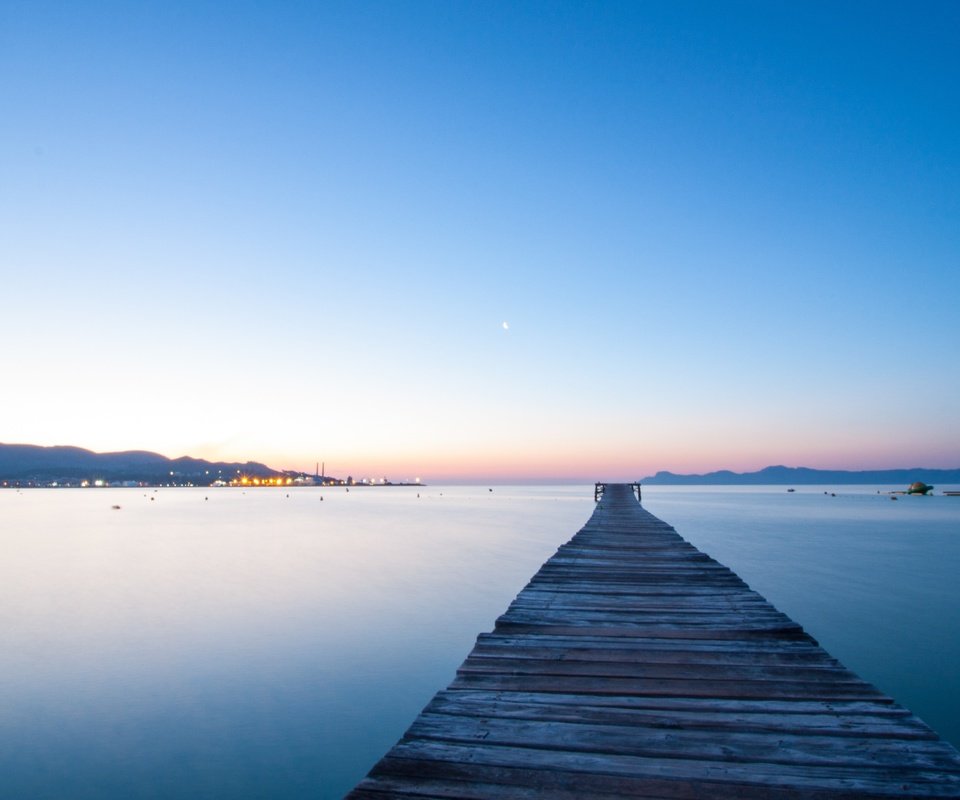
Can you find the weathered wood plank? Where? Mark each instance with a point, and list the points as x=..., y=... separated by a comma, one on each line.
x=710, y=717
x=479, y=664
x=716, y=745
x=880, y=706
x=517, y=624
x=635, y=644
x=793, y=690
x=851, y=781
x=397, y=776
x=682, y=652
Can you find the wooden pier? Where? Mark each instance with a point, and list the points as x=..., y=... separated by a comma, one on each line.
x=633, y=665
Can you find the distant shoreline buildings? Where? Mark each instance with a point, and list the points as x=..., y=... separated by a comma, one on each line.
x=285, y=479
x=34, y=467
x=243, y=481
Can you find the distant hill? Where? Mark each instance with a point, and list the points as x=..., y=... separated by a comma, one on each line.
x=27, y=462
x=801, y=476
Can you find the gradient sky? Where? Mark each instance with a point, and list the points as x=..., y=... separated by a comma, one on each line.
x=723, y=235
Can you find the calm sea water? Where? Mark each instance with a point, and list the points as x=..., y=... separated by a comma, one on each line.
x=273, y=644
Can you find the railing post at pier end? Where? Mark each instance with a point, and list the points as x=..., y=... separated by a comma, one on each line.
x=600, y=488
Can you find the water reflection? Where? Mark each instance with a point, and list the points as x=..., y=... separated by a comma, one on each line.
x=249, y=645
x=272, y=644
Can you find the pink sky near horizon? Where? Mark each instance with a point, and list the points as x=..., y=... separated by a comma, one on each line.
x=452, y=440
x=552, y=462
x=524, y=448
x=568, y=466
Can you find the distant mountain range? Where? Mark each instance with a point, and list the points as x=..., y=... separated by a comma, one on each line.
x=27, y=462
x=800, y=476
x=32, y=463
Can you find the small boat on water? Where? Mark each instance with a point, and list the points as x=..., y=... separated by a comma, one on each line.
x=791, y=490
x=919, y=487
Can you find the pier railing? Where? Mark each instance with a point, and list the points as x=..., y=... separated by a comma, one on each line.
x=600, y=488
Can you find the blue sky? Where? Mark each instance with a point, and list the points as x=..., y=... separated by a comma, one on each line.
x=722, y=234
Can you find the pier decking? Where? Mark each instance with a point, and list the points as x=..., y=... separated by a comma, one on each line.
x=633, y=665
